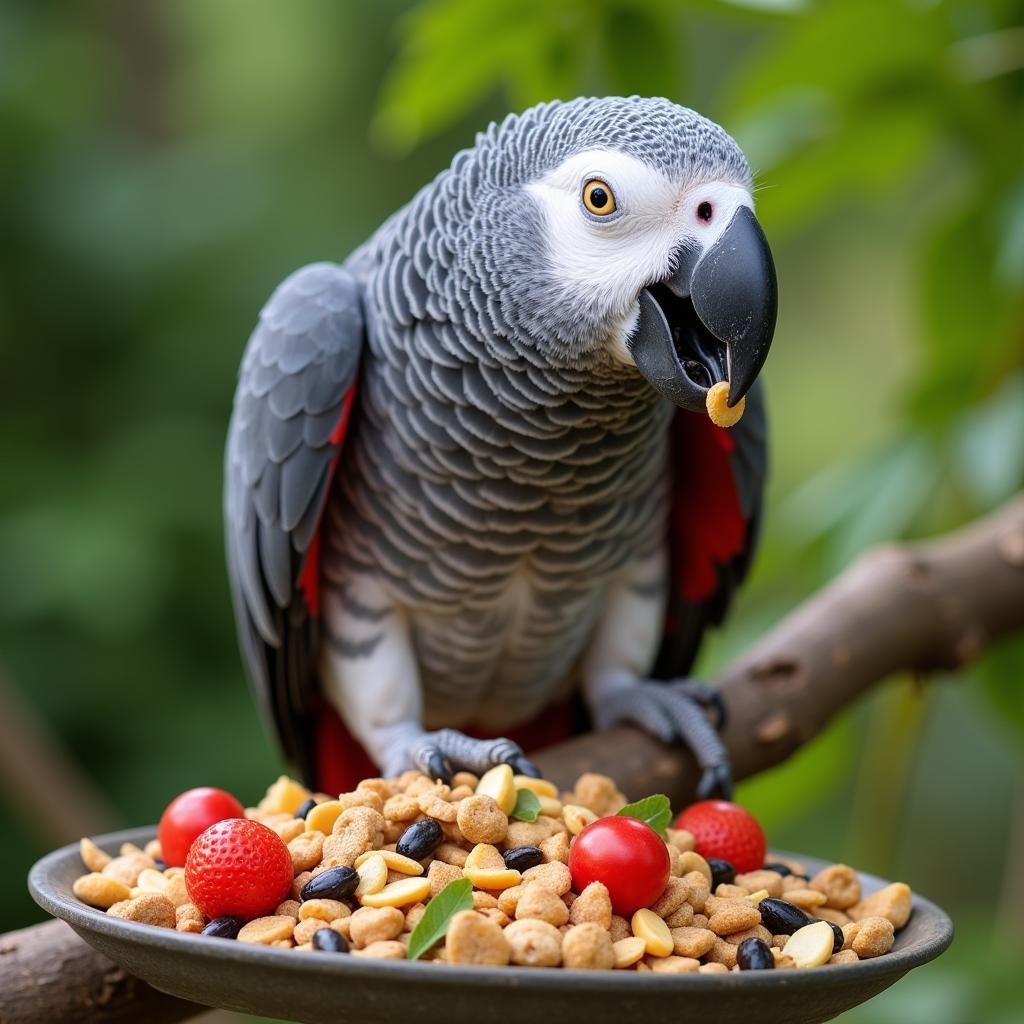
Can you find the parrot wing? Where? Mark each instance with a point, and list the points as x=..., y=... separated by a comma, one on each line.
x=714, y=522
x=292, y=405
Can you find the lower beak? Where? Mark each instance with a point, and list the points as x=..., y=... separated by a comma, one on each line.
x=712, y=320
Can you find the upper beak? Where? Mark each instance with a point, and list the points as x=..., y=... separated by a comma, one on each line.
x=713, y=319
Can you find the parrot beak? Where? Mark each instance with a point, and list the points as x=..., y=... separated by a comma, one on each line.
x=712, y=320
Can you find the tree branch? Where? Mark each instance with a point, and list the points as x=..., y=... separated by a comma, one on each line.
x=916, y=607
x=900, y=608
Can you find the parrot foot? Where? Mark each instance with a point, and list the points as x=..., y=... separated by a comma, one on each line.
x=440, y=754
x=677, y=711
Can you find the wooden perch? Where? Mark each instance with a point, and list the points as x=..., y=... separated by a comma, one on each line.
x=900, y=608
x=915, y=607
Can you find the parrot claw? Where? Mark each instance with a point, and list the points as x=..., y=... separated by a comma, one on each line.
x=439, y=754
x=708, y=697
x=523, y=766
x=715, y=783
x=676, y=711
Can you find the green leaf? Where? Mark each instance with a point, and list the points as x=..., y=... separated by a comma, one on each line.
x=452, y=899
x=527, y=805
x=655, y=811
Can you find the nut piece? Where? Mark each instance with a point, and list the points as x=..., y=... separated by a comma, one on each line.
x=371, y=925
x=676, y=893
x=716, y=402
x=840, y=884
x=394, y=860
x=810, y=946
x=874, y=937
x=92, y=856
x=541, y=904
x=475, y=939
x=306, y=850
x=323, y=910
x=673, y=965
x=390, y=950
x=892, y=902
x=440, y=874
x=628, y=951
x=733, y=916
x=534, y=943
x=538, y=787
x=806, y=899
x=493, y=878
x=483, y=855
x=481, y=820
x=598, y=792
x=398, y=894
x=100, y=891
x=588, y=947
x=681, y=918
x=265, y=930
x=128, y=867
x=554, y=876
x=652, y=929
x=577, y=817
x=692, y=861
x=844, y=956
x=189, y=918
x=753, y=881
x=556, y=848
x=373, y=875
x=593, y=904
x=150, y=908
x=499, y=784
x=692, y=942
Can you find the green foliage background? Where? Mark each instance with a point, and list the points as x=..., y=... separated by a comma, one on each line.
x=165, y=164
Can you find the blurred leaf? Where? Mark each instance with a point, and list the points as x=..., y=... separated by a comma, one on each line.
x=988, y=445
x=1000, y=673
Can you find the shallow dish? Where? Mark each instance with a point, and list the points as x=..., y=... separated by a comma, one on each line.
x=327, y=987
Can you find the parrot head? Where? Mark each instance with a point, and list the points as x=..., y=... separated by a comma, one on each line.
x=624, y=228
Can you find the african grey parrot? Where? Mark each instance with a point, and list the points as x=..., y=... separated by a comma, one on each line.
x=469, y=472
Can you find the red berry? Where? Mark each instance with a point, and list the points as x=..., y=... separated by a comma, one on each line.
x=725, y=830
x=239, y=868
x=188, y=815
x=627, y=855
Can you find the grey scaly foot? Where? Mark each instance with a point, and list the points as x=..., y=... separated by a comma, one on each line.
x=440, y=754
x=676, y=711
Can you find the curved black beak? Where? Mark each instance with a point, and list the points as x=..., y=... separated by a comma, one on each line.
x=713, y=319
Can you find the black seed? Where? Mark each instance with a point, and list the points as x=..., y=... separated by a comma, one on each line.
x=519, y=858
x=329, y=941
x=420, y=839
x=224, y=927
x=722, y=872
x=778, y=867
x=754, y=955
x=160, y=864
x=780, y=917
x=838, y=939
x=332, y=884
x=305, y=807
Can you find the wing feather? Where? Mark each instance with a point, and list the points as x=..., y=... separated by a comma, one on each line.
x=287, y=429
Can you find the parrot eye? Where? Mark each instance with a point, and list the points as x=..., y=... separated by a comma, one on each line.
x=704, y=212
x=598, y=197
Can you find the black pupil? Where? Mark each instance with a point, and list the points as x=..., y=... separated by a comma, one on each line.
x=704, y=211
x=598, y=197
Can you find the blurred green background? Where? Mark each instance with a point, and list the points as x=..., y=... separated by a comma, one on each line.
x=166, y=164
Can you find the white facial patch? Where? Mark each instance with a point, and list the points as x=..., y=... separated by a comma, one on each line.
x=612, y=257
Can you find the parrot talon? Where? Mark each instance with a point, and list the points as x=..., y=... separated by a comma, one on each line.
x=715, y=783
x=708, y=697
x=523, y=766
x=440, y=754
